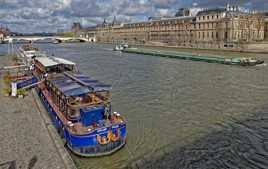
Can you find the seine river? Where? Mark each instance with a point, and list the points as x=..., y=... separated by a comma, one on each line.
x=181, y=114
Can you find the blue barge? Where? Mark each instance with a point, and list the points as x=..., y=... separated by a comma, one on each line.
x=80, y=108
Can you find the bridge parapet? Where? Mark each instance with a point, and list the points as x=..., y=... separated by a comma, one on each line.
x=52, y=38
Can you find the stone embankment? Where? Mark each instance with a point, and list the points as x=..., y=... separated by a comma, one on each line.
x=28, y=138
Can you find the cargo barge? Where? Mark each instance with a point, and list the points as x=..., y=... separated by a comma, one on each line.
x=80, y=108
x=189, y=56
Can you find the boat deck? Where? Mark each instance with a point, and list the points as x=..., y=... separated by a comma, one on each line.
x=78, y=128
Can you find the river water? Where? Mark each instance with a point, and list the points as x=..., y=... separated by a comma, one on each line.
x=181, y=114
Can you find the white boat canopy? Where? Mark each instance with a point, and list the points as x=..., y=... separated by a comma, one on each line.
x=53, y=61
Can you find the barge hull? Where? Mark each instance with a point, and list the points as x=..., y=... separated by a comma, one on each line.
x=182, y=55
x=84, y=145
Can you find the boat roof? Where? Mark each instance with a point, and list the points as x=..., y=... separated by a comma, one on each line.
x=64, y=61
x=53, y=61
x=71, y=84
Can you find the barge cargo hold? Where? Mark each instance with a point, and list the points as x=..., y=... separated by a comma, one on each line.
x=189, y=56
x=80, y=108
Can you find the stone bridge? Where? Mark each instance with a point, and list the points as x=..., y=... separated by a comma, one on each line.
x=51, y=38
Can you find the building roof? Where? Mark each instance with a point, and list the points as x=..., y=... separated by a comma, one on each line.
x=53, y=61
x=91, y=28
x=46, y=61
x=177, y=18
x=63, y=61
x=265, y=13
x=4, y=31
x=162, y=19
x=235, y=13
x=211, y=11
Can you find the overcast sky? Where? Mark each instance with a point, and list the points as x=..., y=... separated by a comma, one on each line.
x=29, y=16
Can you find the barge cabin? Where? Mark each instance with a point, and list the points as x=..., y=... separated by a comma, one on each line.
x=28, y=53
x=80, y=108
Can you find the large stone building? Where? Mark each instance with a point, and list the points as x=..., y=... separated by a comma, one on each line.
x=227, y=27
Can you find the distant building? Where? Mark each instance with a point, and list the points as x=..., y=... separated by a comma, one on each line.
x=188, y=11
x=227, y=27
x=76, y=27
x=88, y=33
x=266, y=26
x=60, y=30
x=4, y=32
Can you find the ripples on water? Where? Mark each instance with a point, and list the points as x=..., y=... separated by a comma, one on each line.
x=236, y=145
x=181, y=114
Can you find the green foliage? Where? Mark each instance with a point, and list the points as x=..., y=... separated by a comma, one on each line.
x=22, y=92
x=66, y=34
x=7, y=90
x=6, y=79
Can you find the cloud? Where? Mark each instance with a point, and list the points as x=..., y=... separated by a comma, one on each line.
x=50, y=15
x=164, y=3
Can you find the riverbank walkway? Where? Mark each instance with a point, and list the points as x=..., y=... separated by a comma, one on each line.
x=28, y=139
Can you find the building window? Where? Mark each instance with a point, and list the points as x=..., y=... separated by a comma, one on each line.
x=212, y=16
x=203, y=17
x=207, y=17
x=212, y=35
x=203, y=34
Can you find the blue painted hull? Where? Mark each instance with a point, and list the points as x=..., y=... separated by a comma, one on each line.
x=86, y=145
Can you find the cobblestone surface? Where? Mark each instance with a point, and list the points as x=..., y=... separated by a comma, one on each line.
x=25, y=139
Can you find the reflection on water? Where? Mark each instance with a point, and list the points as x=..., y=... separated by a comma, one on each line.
x=181, y=114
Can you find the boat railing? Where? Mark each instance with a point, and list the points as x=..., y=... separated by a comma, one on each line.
x=88, y=100
x=79, y=129
x=75, y=105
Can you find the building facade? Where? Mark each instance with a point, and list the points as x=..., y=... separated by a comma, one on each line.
x=208, y=28
x=87, y=33
x=4, y=32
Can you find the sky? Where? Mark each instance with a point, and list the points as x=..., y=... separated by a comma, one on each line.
x=30, y=16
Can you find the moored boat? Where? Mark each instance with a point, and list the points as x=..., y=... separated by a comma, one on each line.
x=56, y=42
x=250, y=62
x=28, y=53
x=121, y=46
x=195, y=57
x=118, y=48
x=80, y=108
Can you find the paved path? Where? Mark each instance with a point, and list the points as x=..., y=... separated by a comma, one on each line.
x=28, y=139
